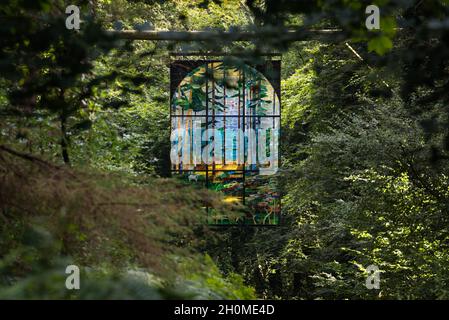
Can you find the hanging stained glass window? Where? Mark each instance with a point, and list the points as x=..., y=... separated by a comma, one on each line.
x=225, y=122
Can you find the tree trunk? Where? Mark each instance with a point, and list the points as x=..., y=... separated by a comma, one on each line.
x=64, y=137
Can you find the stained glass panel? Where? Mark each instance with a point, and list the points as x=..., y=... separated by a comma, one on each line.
x=225, y=123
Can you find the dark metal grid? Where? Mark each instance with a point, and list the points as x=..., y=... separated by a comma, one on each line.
x=274, y=81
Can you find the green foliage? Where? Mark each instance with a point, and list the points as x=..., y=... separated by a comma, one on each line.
x=365, y=148
x=126, y=237
x=44, y=277
x=207, y=282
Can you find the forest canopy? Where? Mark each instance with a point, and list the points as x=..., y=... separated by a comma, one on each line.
x=85, y=174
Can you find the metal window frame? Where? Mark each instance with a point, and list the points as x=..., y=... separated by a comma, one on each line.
x=189, y=65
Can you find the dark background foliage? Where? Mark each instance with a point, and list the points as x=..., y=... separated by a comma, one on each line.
x=84, y=141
